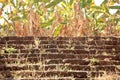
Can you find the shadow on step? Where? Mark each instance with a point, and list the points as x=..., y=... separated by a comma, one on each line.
x=5, y=73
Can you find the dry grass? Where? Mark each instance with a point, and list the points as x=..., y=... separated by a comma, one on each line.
x=108, y=76
x=76, y=26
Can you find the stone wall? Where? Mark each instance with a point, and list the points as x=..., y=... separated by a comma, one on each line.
x=62, y=58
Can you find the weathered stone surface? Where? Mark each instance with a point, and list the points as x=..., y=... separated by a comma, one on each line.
x=62, y=58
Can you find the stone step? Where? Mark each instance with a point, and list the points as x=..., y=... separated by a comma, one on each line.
x=52, y=75
x=48, y=78
x=59, y=61
x=61, y=56
x=17, y=67
x=75, y=51
x=60, y=38
x=60, y=46
x=59, y=41
x=40, y=74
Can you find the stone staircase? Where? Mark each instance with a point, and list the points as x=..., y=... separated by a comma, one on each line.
x=62, y=58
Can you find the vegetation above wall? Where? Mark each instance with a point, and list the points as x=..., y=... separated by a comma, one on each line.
x=59, y=17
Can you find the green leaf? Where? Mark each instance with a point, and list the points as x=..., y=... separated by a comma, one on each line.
x=97, y=7
x=57, y=30
x=36, y=1
x=46, y=1
x=114, y=7
x=16, y=18
x=48, y=23
x=53, y=3
x=89, y=1
x=71, y=2
x=41, y=1
x=83, y=3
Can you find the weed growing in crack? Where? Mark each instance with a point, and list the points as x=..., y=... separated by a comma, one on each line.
x=36, y=42
x=93, y=61
x=7, y=49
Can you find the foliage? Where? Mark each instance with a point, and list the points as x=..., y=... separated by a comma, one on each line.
x=59, y=17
